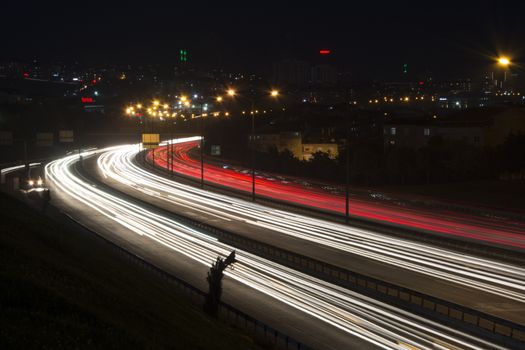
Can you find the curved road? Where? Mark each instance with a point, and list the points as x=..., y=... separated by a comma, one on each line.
x=377, y=324
x=503, y=233
x=482, y=274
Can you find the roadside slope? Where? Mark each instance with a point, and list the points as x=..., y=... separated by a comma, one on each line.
x=63, y=289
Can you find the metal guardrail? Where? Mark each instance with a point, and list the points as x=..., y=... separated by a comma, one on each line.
x=260, y=331
x=487, y=326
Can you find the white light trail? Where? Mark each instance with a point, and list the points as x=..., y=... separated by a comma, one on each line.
x=483, y=274
x=379, y=324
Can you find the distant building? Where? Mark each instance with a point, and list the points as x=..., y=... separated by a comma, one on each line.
x=324, y=75
x=309, y=149
x=292, y=72
x=10, y=96
x=417, y=135
x=293, y=142
x=480, y=128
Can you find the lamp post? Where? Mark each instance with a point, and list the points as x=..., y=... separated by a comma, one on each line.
x=252, y=100
x=347, y=175
x=202, y=146
x=350, y=124
x=504, y=62
x=203, y=108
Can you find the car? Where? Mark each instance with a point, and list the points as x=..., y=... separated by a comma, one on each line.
x=32, y=185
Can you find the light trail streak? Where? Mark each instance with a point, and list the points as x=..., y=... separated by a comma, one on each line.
x=483, y=274
x=510, y=233
x=381, y=325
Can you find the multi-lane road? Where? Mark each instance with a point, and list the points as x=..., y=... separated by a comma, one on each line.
x=484, y=284
x=493, y=231
x=358, y=321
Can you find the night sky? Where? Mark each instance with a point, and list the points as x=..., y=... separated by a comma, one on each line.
x=370, y=39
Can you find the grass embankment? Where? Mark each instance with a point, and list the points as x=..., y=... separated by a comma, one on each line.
x=63, y=289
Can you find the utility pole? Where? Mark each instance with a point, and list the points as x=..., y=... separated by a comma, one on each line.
x=252, y=149
x=347, y=172
x=202, y=145
x=170, y=154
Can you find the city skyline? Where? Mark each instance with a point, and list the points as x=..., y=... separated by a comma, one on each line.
x=370, y=42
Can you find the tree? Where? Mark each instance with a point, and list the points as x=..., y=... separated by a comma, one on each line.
x=510, y=154
x=322, y=166
x=365, y=166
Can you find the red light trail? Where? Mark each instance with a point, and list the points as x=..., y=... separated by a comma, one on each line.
x=440, y=221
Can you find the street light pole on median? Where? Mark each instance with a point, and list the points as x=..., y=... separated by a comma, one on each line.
x=273, y=93
x=252, y=146
x=202, y=146
x=347, y=171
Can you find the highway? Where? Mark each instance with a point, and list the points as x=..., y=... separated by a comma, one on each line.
x=364, y=320
x=491, y=231
x=481, y=274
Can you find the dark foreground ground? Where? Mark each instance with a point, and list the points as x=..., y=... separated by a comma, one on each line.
x=63, y=289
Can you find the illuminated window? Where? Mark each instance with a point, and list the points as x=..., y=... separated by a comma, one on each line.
x=426, y=131
x=392, y=131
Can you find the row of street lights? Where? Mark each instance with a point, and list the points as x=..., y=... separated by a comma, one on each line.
x=163, y=109
x=157, y=109
x=231, y=93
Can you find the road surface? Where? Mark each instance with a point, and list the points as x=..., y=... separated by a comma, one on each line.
x=483, y=284
x=492, y=231
x=358, y=321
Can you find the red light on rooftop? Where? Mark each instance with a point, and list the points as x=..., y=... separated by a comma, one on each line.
x=26, y=75
x=94, y=81
x=86, y=99
x=324, y=52
x=421, y=83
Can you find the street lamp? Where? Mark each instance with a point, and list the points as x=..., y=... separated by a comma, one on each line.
x=273, y=93
x=504, y=61
x=203, y=108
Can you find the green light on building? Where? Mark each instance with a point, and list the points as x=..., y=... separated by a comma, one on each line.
x=183, y=55
x=405, y=68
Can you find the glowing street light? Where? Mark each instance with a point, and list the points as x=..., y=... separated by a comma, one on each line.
x=504, y=61
x=273, y=93
x=219, y=98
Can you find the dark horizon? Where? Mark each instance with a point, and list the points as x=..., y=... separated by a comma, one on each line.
x=371, y=41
